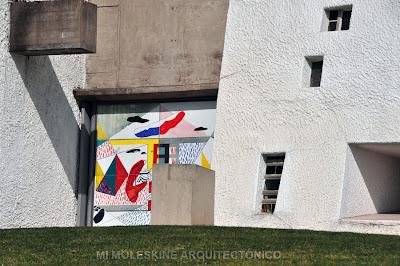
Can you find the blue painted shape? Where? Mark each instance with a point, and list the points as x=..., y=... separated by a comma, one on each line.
x=110, y=176
x=99, y=142
x=153, y=131
x=104, y=187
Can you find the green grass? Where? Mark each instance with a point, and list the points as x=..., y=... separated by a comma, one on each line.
x=79, y=246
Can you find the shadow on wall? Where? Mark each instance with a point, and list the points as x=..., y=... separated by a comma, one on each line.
x=54, y=110
x=381, y=175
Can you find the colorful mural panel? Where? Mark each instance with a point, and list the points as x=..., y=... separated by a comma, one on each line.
x=133, y=137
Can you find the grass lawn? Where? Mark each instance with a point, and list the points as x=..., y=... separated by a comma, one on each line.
x=193, y=245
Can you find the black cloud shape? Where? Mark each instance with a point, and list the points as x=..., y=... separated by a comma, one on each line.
x=137, y=119
x=133, y=151
x=200, y=128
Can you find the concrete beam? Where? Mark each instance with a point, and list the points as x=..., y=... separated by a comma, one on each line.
x=195, y=91
x=53, y=27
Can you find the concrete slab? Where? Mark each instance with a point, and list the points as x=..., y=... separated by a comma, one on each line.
x=182, y=195
x=378, y=216
x=53, y=27
x=195, y=92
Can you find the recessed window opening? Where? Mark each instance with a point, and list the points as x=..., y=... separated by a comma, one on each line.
x=313, y=71
x=316, y=73
x=337, y=19
x=272, y=179
x=371, y=189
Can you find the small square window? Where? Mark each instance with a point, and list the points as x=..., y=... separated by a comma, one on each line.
x=163, y=154
x=313, y=71
x=333, y=14
x=332, y=25
x=337, y=19
x=161, y=150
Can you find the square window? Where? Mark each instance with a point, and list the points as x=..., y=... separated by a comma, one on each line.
x=332, y=25
x=161, y=150
x=161, y=160
x=163, y=154
x=313, y=71
x=333, y=14
x=337, y=19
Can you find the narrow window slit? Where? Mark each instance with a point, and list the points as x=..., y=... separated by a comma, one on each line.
x=272, y=179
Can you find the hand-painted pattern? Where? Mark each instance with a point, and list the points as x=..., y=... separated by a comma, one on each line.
x=133, y=137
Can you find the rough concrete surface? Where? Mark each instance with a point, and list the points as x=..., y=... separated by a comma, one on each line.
x=263, y=107
x=52, y=27
x=205, y=90
x=182, y=195
x=39, y=136
x=157, y=43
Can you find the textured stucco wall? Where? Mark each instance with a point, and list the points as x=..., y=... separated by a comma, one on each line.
x=39, y=136
x=263, y=107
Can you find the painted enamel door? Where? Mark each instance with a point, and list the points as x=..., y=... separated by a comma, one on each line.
x=133, y=137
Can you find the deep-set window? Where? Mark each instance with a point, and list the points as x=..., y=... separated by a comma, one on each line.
x=272, y=179
x=316, y=73
x=130, y=139
x=313, y=71
x=338, y=18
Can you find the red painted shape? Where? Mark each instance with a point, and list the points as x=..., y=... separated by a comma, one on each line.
x=155, y=153
x=132, y=191
x=120, y=174
x=149, y=205
x=167, y=125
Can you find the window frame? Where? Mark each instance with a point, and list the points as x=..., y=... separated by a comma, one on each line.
x=308, y=70
x=338, y=20
x=268, y=203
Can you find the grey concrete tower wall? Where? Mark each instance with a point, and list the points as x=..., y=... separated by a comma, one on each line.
x=39, y=132
x=171, y=48
x=157, y=43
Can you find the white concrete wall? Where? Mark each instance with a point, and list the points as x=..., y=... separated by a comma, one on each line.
x=263, y=106
x=38, y=136
x=371, y=184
